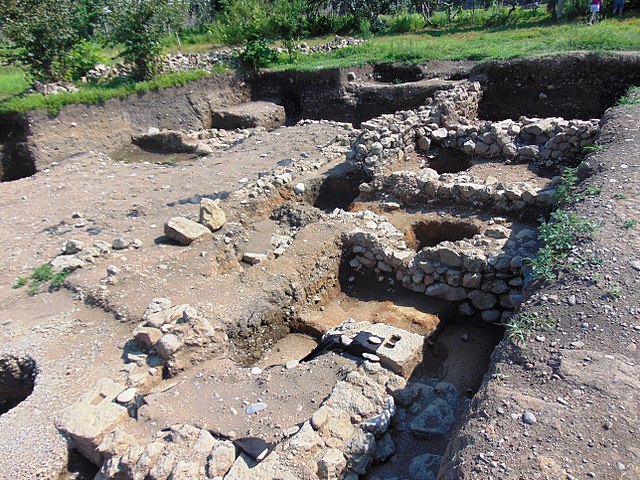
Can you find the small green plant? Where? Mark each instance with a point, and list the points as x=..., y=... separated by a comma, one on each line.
x=58, y=279
x=83, y=57
x=559, y=236
x=365, y=28
x=596, y=147
x=521, y=326
x=567, y=185
x=39, y=277
x=629, y=224
x=614, y=292
x=593, y=191
x=632, y=97
x=619, y=196
x=20, y=282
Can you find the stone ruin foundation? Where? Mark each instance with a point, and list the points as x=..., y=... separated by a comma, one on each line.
x=422, y=224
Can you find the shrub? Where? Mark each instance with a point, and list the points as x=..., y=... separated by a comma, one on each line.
x=406, y=22
x=43, y=32
x=258, y=53
x=83, y=57
x=240, y=21
x=139, y=26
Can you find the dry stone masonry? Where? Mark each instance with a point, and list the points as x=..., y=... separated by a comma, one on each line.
x=449, y=119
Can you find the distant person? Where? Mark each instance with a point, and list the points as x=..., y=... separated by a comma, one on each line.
x=618, y=6
x=595, y=8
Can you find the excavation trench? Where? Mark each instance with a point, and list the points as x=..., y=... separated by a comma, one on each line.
x=17, y=380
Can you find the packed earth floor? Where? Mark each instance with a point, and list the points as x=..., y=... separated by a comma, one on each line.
x=320, y=301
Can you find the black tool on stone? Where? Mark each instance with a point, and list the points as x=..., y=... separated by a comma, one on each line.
x=255, y=448
x=330, y=344
x=364, y=342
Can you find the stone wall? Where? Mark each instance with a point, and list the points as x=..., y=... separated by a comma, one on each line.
x=450, y=120
x=485, y=274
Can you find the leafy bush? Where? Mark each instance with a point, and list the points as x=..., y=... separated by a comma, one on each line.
x=258, y=53
x=406, y=22
x=83, y=57
x=139, y=27
x=559, y=236
x=318, y=25
x=43, y=32
x=240, y=21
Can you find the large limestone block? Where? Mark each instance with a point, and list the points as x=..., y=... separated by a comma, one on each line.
x=400, y=351
x=95, y=414
x=183, y=230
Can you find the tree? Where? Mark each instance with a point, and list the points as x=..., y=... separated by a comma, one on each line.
x=43, y=32
x=139, y=26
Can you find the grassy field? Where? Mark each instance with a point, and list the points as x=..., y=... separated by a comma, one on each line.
x=471, y=43
x=536, y=35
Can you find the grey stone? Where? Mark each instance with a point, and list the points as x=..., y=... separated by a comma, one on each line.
x=482, y=300
x=66, y=263
x=331, y=464
x=424, y=144
x=254, y=408
x=71, y=247
x=491, y=316
x=435, y=421
x=400, y=351
x=121, y=243
x=441, y=290
x=425, y=467
x=529, y=418
x=168, y=345
x=183, y=230
x=96, y=413
x=126, y=396
x=385, y=448
x=254, y=258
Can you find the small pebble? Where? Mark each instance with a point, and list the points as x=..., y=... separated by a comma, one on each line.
x=291, y=364
x=529, y=418
x=253, y=408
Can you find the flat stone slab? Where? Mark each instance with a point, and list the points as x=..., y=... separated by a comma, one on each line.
x=400, y=351
x=249, y=115
x=94, y=415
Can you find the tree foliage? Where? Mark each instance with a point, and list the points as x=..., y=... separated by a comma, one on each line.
x=44, y=32
x=139, y=26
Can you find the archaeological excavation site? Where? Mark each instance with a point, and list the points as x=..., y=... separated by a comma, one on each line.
x=336, y=274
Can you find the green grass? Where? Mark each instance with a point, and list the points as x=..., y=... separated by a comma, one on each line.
x=527, y=33
x=631, y=98
x=41, y=276
x=522, y=326
x=12, y=82
x=96, y=93
x=536, y=37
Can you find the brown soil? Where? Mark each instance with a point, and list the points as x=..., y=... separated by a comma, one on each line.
x=580, y=380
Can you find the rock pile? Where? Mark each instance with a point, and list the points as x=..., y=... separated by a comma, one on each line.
x=337, y=44
x=182, y=62
x=167, y=329
x=200, y=142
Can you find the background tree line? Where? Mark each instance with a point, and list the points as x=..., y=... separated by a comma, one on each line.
x=62, y=39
